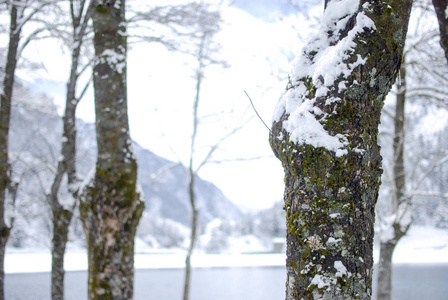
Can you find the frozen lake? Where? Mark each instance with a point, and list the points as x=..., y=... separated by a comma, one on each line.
x=410, y=281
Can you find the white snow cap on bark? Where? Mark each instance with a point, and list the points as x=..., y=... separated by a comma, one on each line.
x=323, y=61
x=116, y=60
x=320, y=281
x=341, y=269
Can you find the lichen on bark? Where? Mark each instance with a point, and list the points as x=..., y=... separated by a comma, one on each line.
x=110, y=206
x=330, y=197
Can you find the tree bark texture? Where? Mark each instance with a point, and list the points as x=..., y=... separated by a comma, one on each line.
x=330, y=199
x=440, y=6
x=110, y=206
x=5, y=114
x=67, y=165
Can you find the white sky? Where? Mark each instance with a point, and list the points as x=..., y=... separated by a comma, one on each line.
x=161, y=94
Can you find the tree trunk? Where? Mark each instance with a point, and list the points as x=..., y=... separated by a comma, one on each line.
x=61, y=215
x=384, y=287
x=61, y=222
x=398, y=144
x=194, y=225
x=110, y=206
x=402, y=205
x=5, y=114
x=192, y=172
x=332, y=175
x=67, y=165
x=384, y=282
x=440, y=7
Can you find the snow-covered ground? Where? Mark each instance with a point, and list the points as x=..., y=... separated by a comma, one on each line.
x=422, y=245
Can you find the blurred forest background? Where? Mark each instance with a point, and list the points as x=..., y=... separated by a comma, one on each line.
x=250, y=50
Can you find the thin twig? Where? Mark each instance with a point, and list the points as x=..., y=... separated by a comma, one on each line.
x=256, y=111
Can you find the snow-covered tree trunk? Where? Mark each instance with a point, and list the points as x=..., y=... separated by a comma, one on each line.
x=325, y=134
x=441, y=8
x=62, y=213
x=110, y=206
x=5, y=114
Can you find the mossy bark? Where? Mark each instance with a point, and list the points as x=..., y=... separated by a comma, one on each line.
x=330, y=200
x=110, y=206
x=5, y=115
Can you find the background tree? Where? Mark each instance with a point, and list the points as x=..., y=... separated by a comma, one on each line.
x=21, y=12
x=410, y=166
x=62, y=211
x=441, y=6
x=203, y=51
x=325, y=134
x=110, y=205
x=169, y=25
x=399, y=214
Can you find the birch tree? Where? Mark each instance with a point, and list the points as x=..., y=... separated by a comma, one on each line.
x=110, y=206
x=62, y=213
x=325, y=134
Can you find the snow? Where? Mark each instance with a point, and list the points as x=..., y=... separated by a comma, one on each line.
x=421, y=245
x=25, y=262
x=320, y=281
x=323, y=61
x=332, y=240
x=385, y=227
x=434, y=121
x=114, y=59
x=341, y=269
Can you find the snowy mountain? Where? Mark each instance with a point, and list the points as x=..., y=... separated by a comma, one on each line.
x=35, y=147
x=164, y=184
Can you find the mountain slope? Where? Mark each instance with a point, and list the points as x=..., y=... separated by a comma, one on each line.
x=35, y=146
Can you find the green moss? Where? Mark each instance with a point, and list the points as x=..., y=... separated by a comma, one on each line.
x=102, y=9
x=310, y=86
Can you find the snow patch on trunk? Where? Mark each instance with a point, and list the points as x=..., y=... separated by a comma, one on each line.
x=324, y=60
